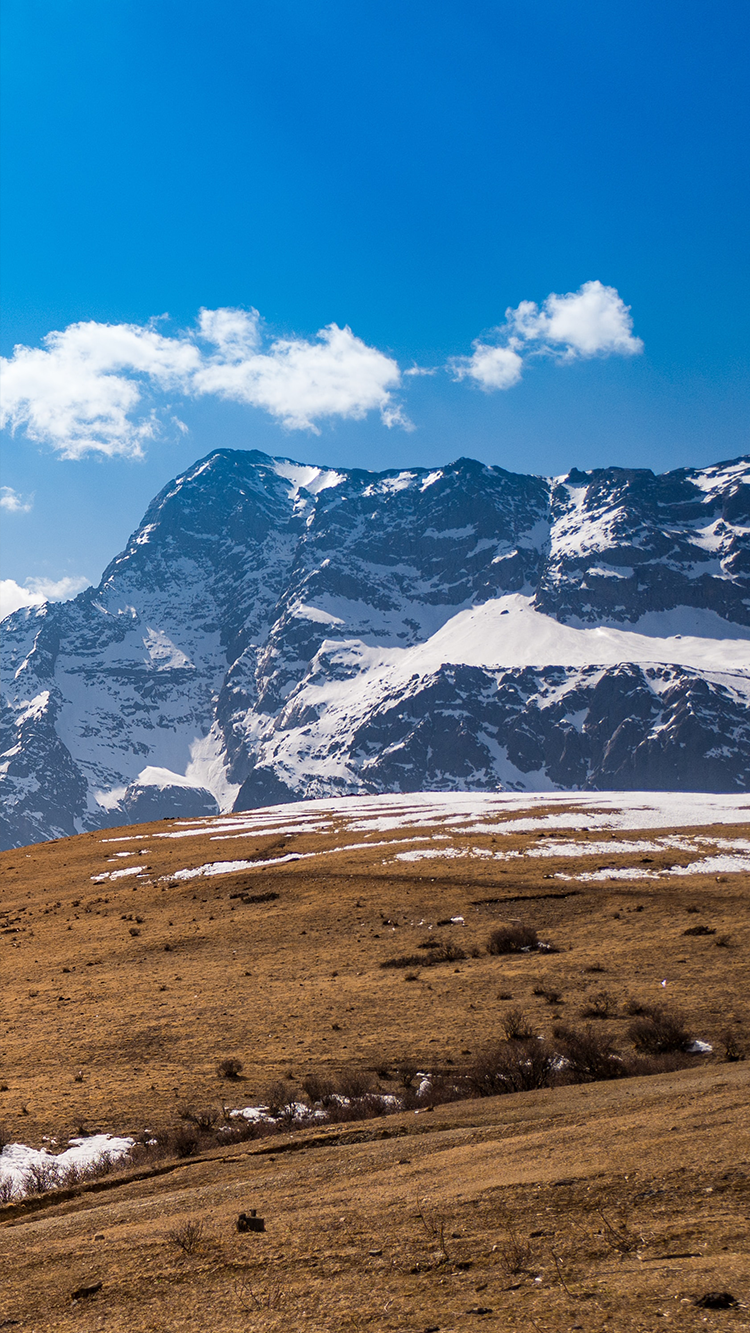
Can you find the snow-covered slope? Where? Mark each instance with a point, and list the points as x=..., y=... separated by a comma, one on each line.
x=274, y=631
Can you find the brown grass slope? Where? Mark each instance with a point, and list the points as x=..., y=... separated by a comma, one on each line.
x=554, y=1209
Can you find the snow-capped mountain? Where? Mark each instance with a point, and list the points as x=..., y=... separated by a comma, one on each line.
x=274, y=631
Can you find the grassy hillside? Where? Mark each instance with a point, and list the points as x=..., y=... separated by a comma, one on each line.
x=556, y=1208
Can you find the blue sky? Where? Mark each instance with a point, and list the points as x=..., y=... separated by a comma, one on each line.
x=409, y=171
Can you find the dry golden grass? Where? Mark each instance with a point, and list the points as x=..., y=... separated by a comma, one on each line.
x=587, y=1190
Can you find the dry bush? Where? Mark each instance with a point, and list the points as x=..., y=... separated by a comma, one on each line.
x=407, y=1072
x=189, y=1236
x=512, y=939
x=361, y=1108
x=279, y=1095
x=446, y=1088
x=354, y=1083
x=73, y=1175
x=180, y=1142
x=444, y=953
x=659, y=1032
x=205, y=1118
x=548, y=993
x=251, y=1301
x=589, y=1056
x=517, y=1026
x=97, y=1168
x=318, y=1087
x=242, y=1130
x=620, y=1239
x=230, y=1067
x=8, y=1190
x=40, y=1177
x=518, y=1066
x=733, y=1049
x=600, y=1005
x=514, y=1253
x=434, y=1225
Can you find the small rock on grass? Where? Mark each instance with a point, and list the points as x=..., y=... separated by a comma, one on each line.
x=716, y=1300
x=90, y=1289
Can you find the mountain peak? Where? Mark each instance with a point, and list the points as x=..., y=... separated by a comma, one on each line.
x=275, y=629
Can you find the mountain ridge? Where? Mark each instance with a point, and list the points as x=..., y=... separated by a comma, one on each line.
x=274, y=630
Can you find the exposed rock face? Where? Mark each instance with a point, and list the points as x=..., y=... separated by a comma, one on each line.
x=274, y=631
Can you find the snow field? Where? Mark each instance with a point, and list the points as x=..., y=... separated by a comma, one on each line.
x=472, y=813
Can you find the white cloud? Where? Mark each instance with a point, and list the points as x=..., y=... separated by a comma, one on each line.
x=14, y=503
x=91, y=386
x=96, y=387
x=297, y=381
x=491, y=367
x=82, y=390
x=34, y=592
x=594, y=321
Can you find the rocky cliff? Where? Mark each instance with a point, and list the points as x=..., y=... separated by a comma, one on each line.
x=275, y=630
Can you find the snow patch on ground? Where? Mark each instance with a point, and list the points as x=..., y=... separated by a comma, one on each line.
x=116, y=874
x=512, y=812
x=16, y=1160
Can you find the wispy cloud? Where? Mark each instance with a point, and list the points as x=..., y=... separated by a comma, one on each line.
x=34, y=592
x=13, y=503
x=594, y=321
x=92, y=386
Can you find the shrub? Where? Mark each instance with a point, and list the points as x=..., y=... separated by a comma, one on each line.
x=354, y=1083
x=359, y=1108
x=188, y=1237
x=640, y=1066
x=72, y=1175
x=205, y=1118
x=518, y=1066
x=317, y=1087
x=548, y=993
x=659, y=1032
x=446, y=1088
x=183, y=1141
x=407, y=1072
x=600, y=1005
x=278, y=1095
x=733, y=1050
x=230, y=1067
x=8, y=1189
x=512, y=939
x=589, y=1056
x=444, y=953
x=517, y=1027
x=514, y=1254
x=41, y=1176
